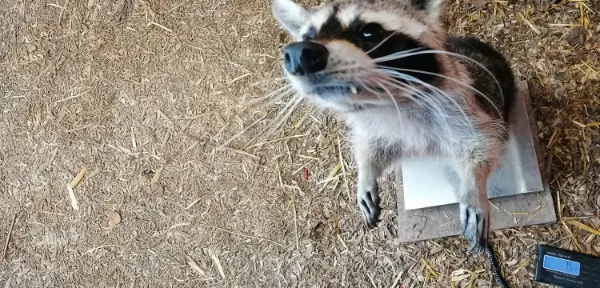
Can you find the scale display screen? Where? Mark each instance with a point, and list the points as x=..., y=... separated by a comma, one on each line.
x=561, y=265
x=567, y=269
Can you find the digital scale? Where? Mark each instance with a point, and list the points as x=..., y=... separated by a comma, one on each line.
x=566, y=268
x=426, y=187
x=519, y=173
x=427, y=206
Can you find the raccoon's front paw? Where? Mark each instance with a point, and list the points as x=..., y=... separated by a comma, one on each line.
x=368, y=202
x=475, y=225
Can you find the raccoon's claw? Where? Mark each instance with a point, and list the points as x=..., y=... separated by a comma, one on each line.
x=368, y=202
x=475, y=225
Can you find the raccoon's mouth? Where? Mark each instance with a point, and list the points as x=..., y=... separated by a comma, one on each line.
x=342, y=90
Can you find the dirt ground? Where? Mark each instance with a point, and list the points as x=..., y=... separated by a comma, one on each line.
x=182, y=189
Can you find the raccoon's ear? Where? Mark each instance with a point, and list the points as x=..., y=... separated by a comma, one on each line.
x=291, y=15
x=432, y=7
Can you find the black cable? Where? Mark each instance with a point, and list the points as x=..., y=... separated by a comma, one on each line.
x=494, y=267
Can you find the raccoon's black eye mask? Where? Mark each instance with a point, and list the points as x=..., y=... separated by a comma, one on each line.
x=372, y=38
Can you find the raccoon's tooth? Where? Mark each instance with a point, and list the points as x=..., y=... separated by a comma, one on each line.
x=353, y=89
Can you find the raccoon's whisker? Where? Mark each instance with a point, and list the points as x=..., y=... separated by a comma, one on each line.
x=362, y=66
x=331, y=85
x=369, y=89
x=376, y=93
x=285, y=108
x=422, y=98
x=340, y=69
x=381, y=43
x=278, y=94
x=432, y=88
x=277, y=117
x=278, y=79
x=391, y=98
x=441, y=95
x=400, y=55
x=281, y=117
x=445, y=95
x=407, y=94
x=279, y=97
x=359, y=67
x=430, y=102
x=448, y=78
x=281, y=90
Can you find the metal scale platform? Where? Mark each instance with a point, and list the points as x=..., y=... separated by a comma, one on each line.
x=518, y=191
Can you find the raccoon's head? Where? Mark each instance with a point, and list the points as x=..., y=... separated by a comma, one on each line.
x=351, y=53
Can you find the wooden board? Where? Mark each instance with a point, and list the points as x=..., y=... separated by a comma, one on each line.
x=443, y=221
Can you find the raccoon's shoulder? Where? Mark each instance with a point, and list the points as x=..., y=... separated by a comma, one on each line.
x=496, y=63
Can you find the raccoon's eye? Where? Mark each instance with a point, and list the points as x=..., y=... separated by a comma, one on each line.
x=371, y=32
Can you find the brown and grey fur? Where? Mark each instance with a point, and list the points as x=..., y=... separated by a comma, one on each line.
x=383, y=131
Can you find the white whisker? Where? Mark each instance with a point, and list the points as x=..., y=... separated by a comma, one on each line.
x=340, y=69
x=391, y=98
x=288, y=104
x=279, y=97
x=277, y=94
x=400, y=55
x=430, y=102
x=441, y=113
x=381, y=43
x=448, y=78
x=286, y=112
x=432, y=88
x=362, y=66
x=369, y=89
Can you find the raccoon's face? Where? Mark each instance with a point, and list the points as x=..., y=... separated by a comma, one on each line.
x=353, y=54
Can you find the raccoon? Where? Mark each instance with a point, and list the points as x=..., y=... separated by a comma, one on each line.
x=404, y=87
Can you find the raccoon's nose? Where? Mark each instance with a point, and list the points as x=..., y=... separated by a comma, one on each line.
x=305, y=57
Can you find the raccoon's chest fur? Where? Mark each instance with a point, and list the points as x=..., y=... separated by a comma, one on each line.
x=411, y=129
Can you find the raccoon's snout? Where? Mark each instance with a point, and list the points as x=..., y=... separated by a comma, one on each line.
x=305, y=57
